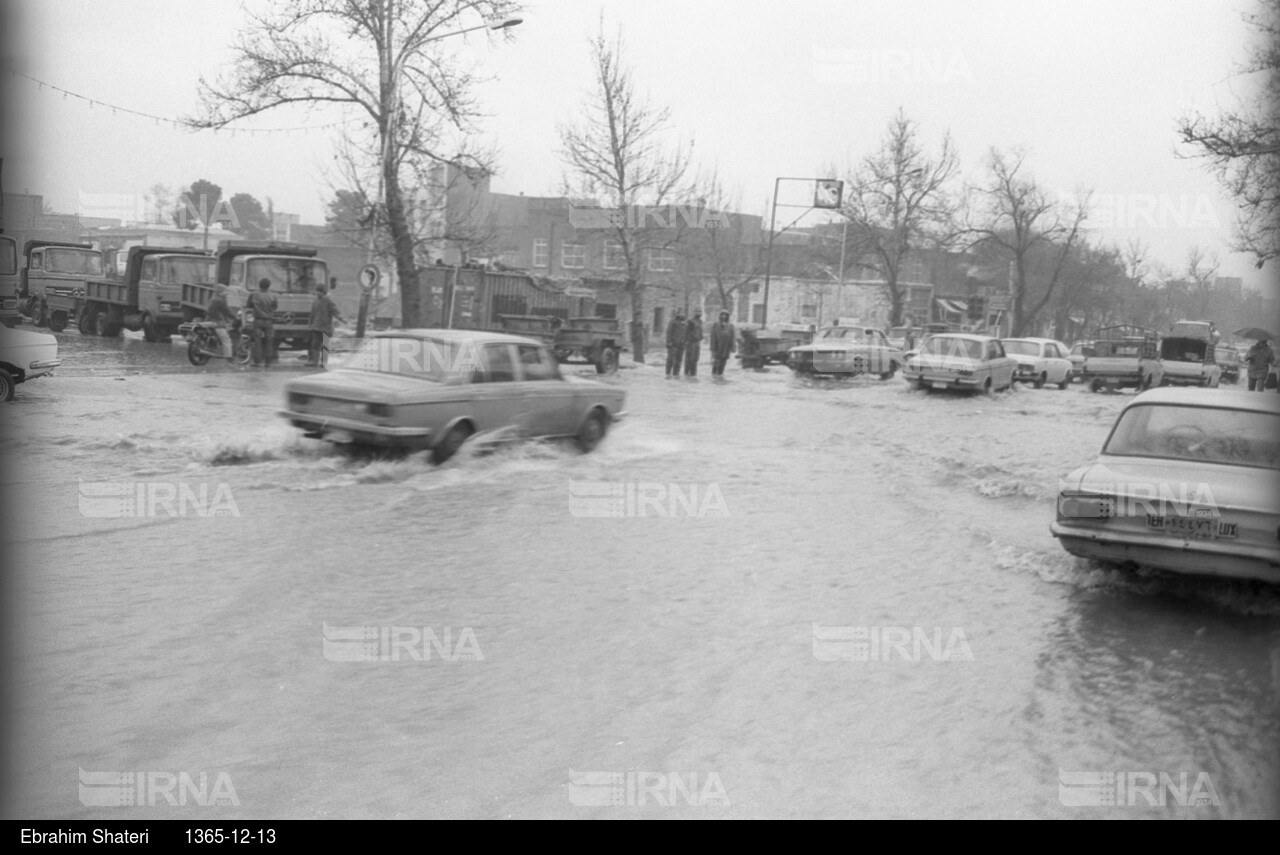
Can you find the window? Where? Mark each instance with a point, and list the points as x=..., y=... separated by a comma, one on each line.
x=537, y=364
x=497, y=364
x=541, y=253
x=37, y=261
x=606, y=310
x=614, y=258
x=808, y=311
x=757, y=314
x=148, y=270
x=662, y=260
x=573, y=256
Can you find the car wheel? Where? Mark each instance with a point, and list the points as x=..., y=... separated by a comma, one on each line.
x=58, y=321
x=1066, y=380
x=448, y=447
x=608, y=361
x=592, y=431
x=893, y=369
x=1095, y=385
x=1041, y=380
x=921, y=385
x=6, y=385
x=988, y=386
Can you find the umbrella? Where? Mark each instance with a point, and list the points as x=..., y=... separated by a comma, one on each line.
x=1254, y=333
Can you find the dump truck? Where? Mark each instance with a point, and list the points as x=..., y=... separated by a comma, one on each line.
x=149, y=297
x=52, y=284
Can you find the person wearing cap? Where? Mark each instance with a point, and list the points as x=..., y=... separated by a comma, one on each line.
x=723, y=342
x=1259, y=359
x=263, y=305
x=676, y=332
x=693, y=344
x=323, y=313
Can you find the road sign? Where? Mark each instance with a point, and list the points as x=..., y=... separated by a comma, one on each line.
x=369, y=277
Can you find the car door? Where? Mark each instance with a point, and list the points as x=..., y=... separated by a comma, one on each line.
x=501, y=410
x=549, y=398
x=1000, y=365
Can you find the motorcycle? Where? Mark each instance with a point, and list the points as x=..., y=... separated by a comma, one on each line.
x=203, y=344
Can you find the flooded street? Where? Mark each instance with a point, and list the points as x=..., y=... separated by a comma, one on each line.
x=763, y=597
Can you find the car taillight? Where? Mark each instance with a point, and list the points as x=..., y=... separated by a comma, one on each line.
x=1086, y=507
x=378, y=410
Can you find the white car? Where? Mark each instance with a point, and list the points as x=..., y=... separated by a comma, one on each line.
x=1040, y=361
x=24, y=356
x=1185, y=482
x=960, y=361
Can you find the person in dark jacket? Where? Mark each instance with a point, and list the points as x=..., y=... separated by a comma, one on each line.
x=323, y=313
x=1260, y=358
x=723, y=342
x=693, y=344
x=263, y=304
x=676, y=332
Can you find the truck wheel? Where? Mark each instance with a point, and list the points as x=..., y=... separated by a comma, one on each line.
x=607, y=363
x=58, y=321
x=84, y=322
x=1095, y=385
x=449, y=446
x=101, y=324
x=592, y=432
x=6, y=385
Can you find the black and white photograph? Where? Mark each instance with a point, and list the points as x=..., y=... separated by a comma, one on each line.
x=636, y=409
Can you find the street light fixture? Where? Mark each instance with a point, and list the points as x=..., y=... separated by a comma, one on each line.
x=827, y=193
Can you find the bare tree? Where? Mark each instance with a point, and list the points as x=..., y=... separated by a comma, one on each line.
x=615, y=154
x=1242, y=147
x=897, y=201
x=1019, y=219
x=1201, y=272
x=380, y=56
x=725, y=255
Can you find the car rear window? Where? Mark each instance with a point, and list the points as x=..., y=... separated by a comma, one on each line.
x=1213, y=434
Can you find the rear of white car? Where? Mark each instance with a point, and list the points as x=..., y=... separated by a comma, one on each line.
x=24, y=356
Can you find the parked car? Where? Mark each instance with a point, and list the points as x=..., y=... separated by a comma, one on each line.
x=436, y=389
x=848, y=351
x=24, y=356
x=1080, y=351
x=1185, y=482
x=960, y=361
x=1040, y=361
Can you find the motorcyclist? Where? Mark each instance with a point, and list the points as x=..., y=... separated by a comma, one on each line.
x=218, y=315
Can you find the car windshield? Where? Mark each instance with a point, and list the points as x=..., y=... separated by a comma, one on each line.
x=943, y=345
x=1214, y=434
x=176, y=269
x=843, y=332
x=8, y=257
x=424, y=358
x=289, y=275
x=1014, y=347
x=77, y=262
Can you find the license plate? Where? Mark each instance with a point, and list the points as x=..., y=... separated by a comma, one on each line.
x=1193, y=527
x=938, y=384
x=341, y=437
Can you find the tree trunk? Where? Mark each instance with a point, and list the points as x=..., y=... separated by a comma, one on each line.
x=402, y=240
x=1019, y=294
x=895, y=302
x=637, y=322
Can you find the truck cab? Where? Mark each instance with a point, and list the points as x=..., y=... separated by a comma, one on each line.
x=293, y=270
x=9, y=315
x=53, y=281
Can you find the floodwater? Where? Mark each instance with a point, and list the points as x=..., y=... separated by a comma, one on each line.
x=798, y=599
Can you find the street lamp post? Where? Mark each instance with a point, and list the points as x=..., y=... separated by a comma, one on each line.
x=822, y=198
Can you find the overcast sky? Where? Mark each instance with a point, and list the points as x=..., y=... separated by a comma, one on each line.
x=1092, y=91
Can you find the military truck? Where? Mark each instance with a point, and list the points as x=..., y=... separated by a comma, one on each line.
x=53, y=281
x=149, y=297
x=594, y=340
x=9, y=315
x=293, y=270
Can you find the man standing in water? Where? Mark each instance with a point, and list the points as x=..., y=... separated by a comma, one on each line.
x=263, y=305
x=722, y=344
x=676, y=332
x=323, y=313
x=693, y=345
